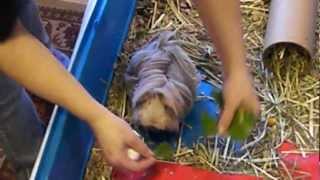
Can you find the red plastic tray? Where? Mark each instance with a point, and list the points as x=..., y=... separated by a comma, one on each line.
x=170, y=171
x=300, y=167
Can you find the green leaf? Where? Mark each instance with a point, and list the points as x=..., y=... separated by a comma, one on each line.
x=208, y=124
x=242, y=124
x=164, y=151
x=218, y=97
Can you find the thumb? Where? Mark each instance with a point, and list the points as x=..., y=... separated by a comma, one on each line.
x=138, y=145
x=226, y=117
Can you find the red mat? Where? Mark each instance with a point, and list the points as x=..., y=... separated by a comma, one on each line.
x=304, y=168
x=170, y=171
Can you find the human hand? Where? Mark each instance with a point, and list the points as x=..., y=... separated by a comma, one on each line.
x=116, y=137
x=237, y=91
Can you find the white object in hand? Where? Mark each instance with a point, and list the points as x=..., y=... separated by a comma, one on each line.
x=133, y=155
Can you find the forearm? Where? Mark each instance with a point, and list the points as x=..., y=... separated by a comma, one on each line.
x=26, y=60
x=222, y=19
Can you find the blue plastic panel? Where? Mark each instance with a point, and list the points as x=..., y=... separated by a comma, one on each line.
x=193, y=131
x=68, y=142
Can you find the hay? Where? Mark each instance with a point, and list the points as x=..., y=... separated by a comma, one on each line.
x=97, y=168
x=289, y=97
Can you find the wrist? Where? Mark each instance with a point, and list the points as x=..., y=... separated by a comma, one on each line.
x=97, y=114
x=235, y=69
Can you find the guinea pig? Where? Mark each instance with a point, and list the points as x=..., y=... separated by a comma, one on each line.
x=162, y=80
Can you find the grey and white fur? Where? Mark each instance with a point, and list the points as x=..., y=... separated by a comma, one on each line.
x=162, y=81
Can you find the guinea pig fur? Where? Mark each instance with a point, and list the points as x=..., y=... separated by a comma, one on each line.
x=163, y=82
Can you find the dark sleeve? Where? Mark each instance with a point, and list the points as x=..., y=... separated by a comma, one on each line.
x=9, y=11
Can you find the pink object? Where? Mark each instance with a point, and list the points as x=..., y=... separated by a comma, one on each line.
x=170, y=171
x=304, y=168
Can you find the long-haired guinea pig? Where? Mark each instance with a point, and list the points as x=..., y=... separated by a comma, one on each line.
x=163, y=82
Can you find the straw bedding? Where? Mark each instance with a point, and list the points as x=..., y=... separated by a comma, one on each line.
x=288, y=90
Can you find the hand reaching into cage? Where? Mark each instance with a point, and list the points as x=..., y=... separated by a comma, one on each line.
x=222, y=20
x=34, y=67
x=116, y=137
x=237, y=91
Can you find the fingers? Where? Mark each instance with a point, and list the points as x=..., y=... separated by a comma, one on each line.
x=252, y=104
x=121, y=161
x=225, y=119
x=139, y=165
x=136, y=144
x=139, y=146
x=146, y=159
x=229, y=108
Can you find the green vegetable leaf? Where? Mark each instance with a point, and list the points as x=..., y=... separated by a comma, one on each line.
x=242, y=124
x=208, y=124
x=164, y=151
x=218, y=97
